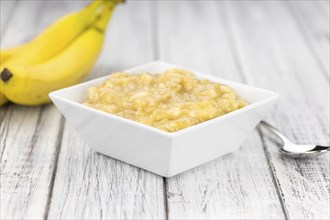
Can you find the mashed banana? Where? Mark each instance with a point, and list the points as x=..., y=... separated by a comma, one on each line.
x=170, y=101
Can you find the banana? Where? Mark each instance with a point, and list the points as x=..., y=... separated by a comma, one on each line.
x=7, y=53
x=3, y=99
x=53, y=39
x=30, y=84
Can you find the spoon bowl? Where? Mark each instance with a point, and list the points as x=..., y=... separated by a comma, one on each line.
x=294, y=150
x=315, y=150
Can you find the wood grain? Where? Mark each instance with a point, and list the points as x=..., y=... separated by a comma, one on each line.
x=303, y=112
x=23, y=25
x=48, y=172
x=32, y=135
x=236, y=186
x=89, y=185
x=92, y=186
x=27, y=162
x=313, y=20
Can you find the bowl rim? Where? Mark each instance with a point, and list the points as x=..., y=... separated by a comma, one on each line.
x=272, y=96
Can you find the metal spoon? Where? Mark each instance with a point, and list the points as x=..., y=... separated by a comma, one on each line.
x=294, y=150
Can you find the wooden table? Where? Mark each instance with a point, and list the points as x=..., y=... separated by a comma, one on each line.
x=47, y=171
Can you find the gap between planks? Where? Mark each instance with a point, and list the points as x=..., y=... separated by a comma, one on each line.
x=203, y=190
x=42, y=111
x=57, y=153
x=247, y=79
x=270, y=156
x=273, y=171
x=121, y=190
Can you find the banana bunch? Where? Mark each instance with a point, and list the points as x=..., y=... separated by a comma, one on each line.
x=61, y=56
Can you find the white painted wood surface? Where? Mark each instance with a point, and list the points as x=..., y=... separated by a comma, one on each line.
x=48, y=172
x=294, y=76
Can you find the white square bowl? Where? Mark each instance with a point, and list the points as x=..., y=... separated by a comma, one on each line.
x=161, y=152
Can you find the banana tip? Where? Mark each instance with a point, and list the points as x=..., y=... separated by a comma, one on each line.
x=5, y=75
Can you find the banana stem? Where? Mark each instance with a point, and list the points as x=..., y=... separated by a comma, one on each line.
x=96, y=8
x=92, y=10
x=106, y=15
x=92, y=6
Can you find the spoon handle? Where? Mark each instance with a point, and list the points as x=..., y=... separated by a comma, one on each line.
x=275, y=131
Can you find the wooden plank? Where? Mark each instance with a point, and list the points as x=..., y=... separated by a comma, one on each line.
x=92, y=186
x=275, y=56
x=238, y=185
x=6, y=10
x=20, y=31
x=30, y=136
x=314, y=24
x=89, y=185
x=24, y=23
x=30, y=142
x=323, y=6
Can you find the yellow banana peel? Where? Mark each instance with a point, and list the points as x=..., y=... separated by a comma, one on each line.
x=31, y=84
x=72, y=46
